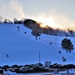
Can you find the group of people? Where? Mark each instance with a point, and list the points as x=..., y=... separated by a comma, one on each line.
x=63, y=58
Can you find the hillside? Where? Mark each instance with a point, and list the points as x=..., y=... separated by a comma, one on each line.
x=39, y=28
x=19, y=46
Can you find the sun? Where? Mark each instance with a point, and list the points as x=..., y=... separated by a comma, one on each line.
x=46, y=21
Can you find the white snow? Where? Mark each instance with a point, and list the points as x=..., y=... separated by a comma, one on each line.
x=24, y=49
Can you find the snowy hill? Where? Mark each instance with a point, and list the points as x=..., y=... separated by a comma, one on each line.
x=19, y=46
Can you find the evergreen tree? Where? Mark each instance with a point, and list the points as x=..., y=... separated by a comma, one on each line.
x=67, y=44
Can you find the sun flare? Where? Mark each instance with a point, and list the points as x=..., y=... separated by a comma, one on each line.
x=47, y=21
x=55, y=21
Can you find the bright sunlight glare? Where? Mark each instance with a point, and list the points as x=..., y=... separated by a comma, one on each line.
x=55, y=21
x=47, y=21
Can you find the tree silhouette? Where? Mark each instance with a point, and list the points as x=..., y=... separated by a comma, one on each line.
x=67, y=44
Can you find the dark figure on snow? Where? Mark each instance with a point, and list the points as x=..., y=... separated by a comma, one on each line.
x=68, y=51
x=63, y=59
x=50, y=43
x=60, y=52
x=18, y=28
x=7, y=56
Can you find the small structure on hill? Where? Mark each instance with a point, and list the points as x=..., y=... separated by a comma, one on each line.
x=47, y=63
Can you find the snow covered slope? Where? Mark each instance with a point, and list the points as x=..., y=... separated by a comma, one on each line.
x=20, y=47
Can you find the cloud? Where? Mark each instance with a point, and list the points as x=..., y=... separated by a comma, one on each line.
x=12, y=9
x=63, y=21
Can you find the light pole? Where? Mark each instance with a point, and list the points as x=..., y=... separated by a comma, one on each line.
x=39, y=57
